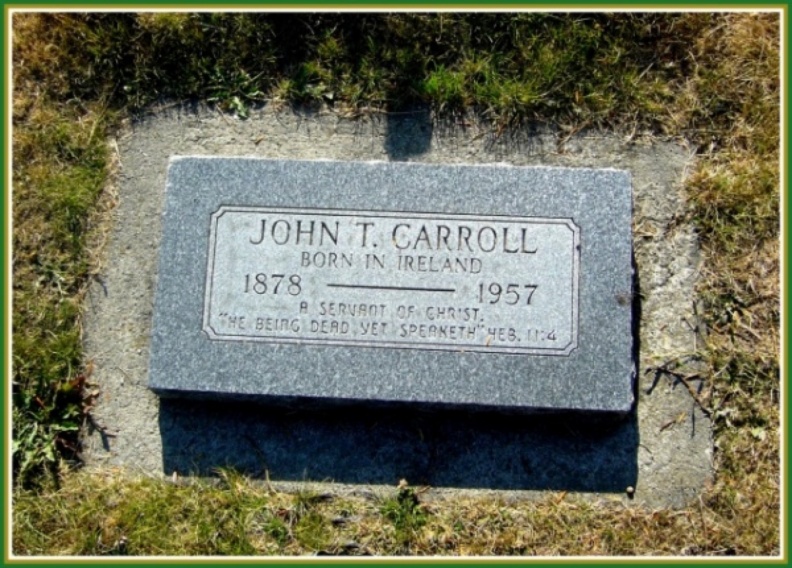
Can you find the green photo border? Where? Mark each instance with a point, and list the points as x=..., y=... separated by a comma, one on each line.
x=403, y=5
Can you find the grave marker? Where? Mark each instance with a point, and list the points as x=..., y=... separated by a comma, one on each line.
x=486, y=286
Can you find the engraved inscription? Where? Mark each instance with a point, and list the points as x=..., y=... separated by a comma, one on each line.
x=392, y=279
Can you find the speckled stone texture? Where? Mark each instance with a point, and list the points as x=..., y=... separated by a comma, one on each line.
x=596, y=375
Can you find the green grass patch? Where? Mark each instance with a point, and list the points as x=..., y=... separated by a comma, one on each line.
x=595, y=67
x=710, y=78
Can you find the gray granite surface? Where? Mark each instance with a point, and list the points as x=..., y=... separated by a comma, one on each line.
x=538, y=277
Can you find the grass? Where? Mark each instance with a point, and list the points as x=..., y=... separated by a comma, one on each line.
x=710, y=78
x=110, y=515
x=54, y=197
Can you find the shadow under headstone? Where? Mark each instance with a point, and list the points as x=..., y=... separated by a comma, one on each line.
x=431, y=446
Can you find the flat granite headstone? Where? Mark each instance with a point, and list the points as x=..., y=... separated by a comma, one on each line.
x=482, y=286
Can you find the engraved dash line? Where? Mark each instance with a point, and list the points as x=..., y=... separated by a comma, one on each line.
x=405, y=288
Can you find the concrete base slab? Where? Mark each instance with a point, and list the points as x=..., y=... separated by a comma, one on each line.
x=663, y=449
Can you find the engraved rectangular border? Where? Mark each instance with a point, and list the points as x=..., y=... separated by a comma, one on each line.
x=455, y=347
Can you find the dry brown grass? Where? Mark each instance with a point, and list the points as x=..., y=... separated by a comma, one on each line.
x=92, y=514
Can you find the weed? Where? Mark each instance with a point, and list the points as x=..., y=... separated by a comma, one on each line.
x=406, y=513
